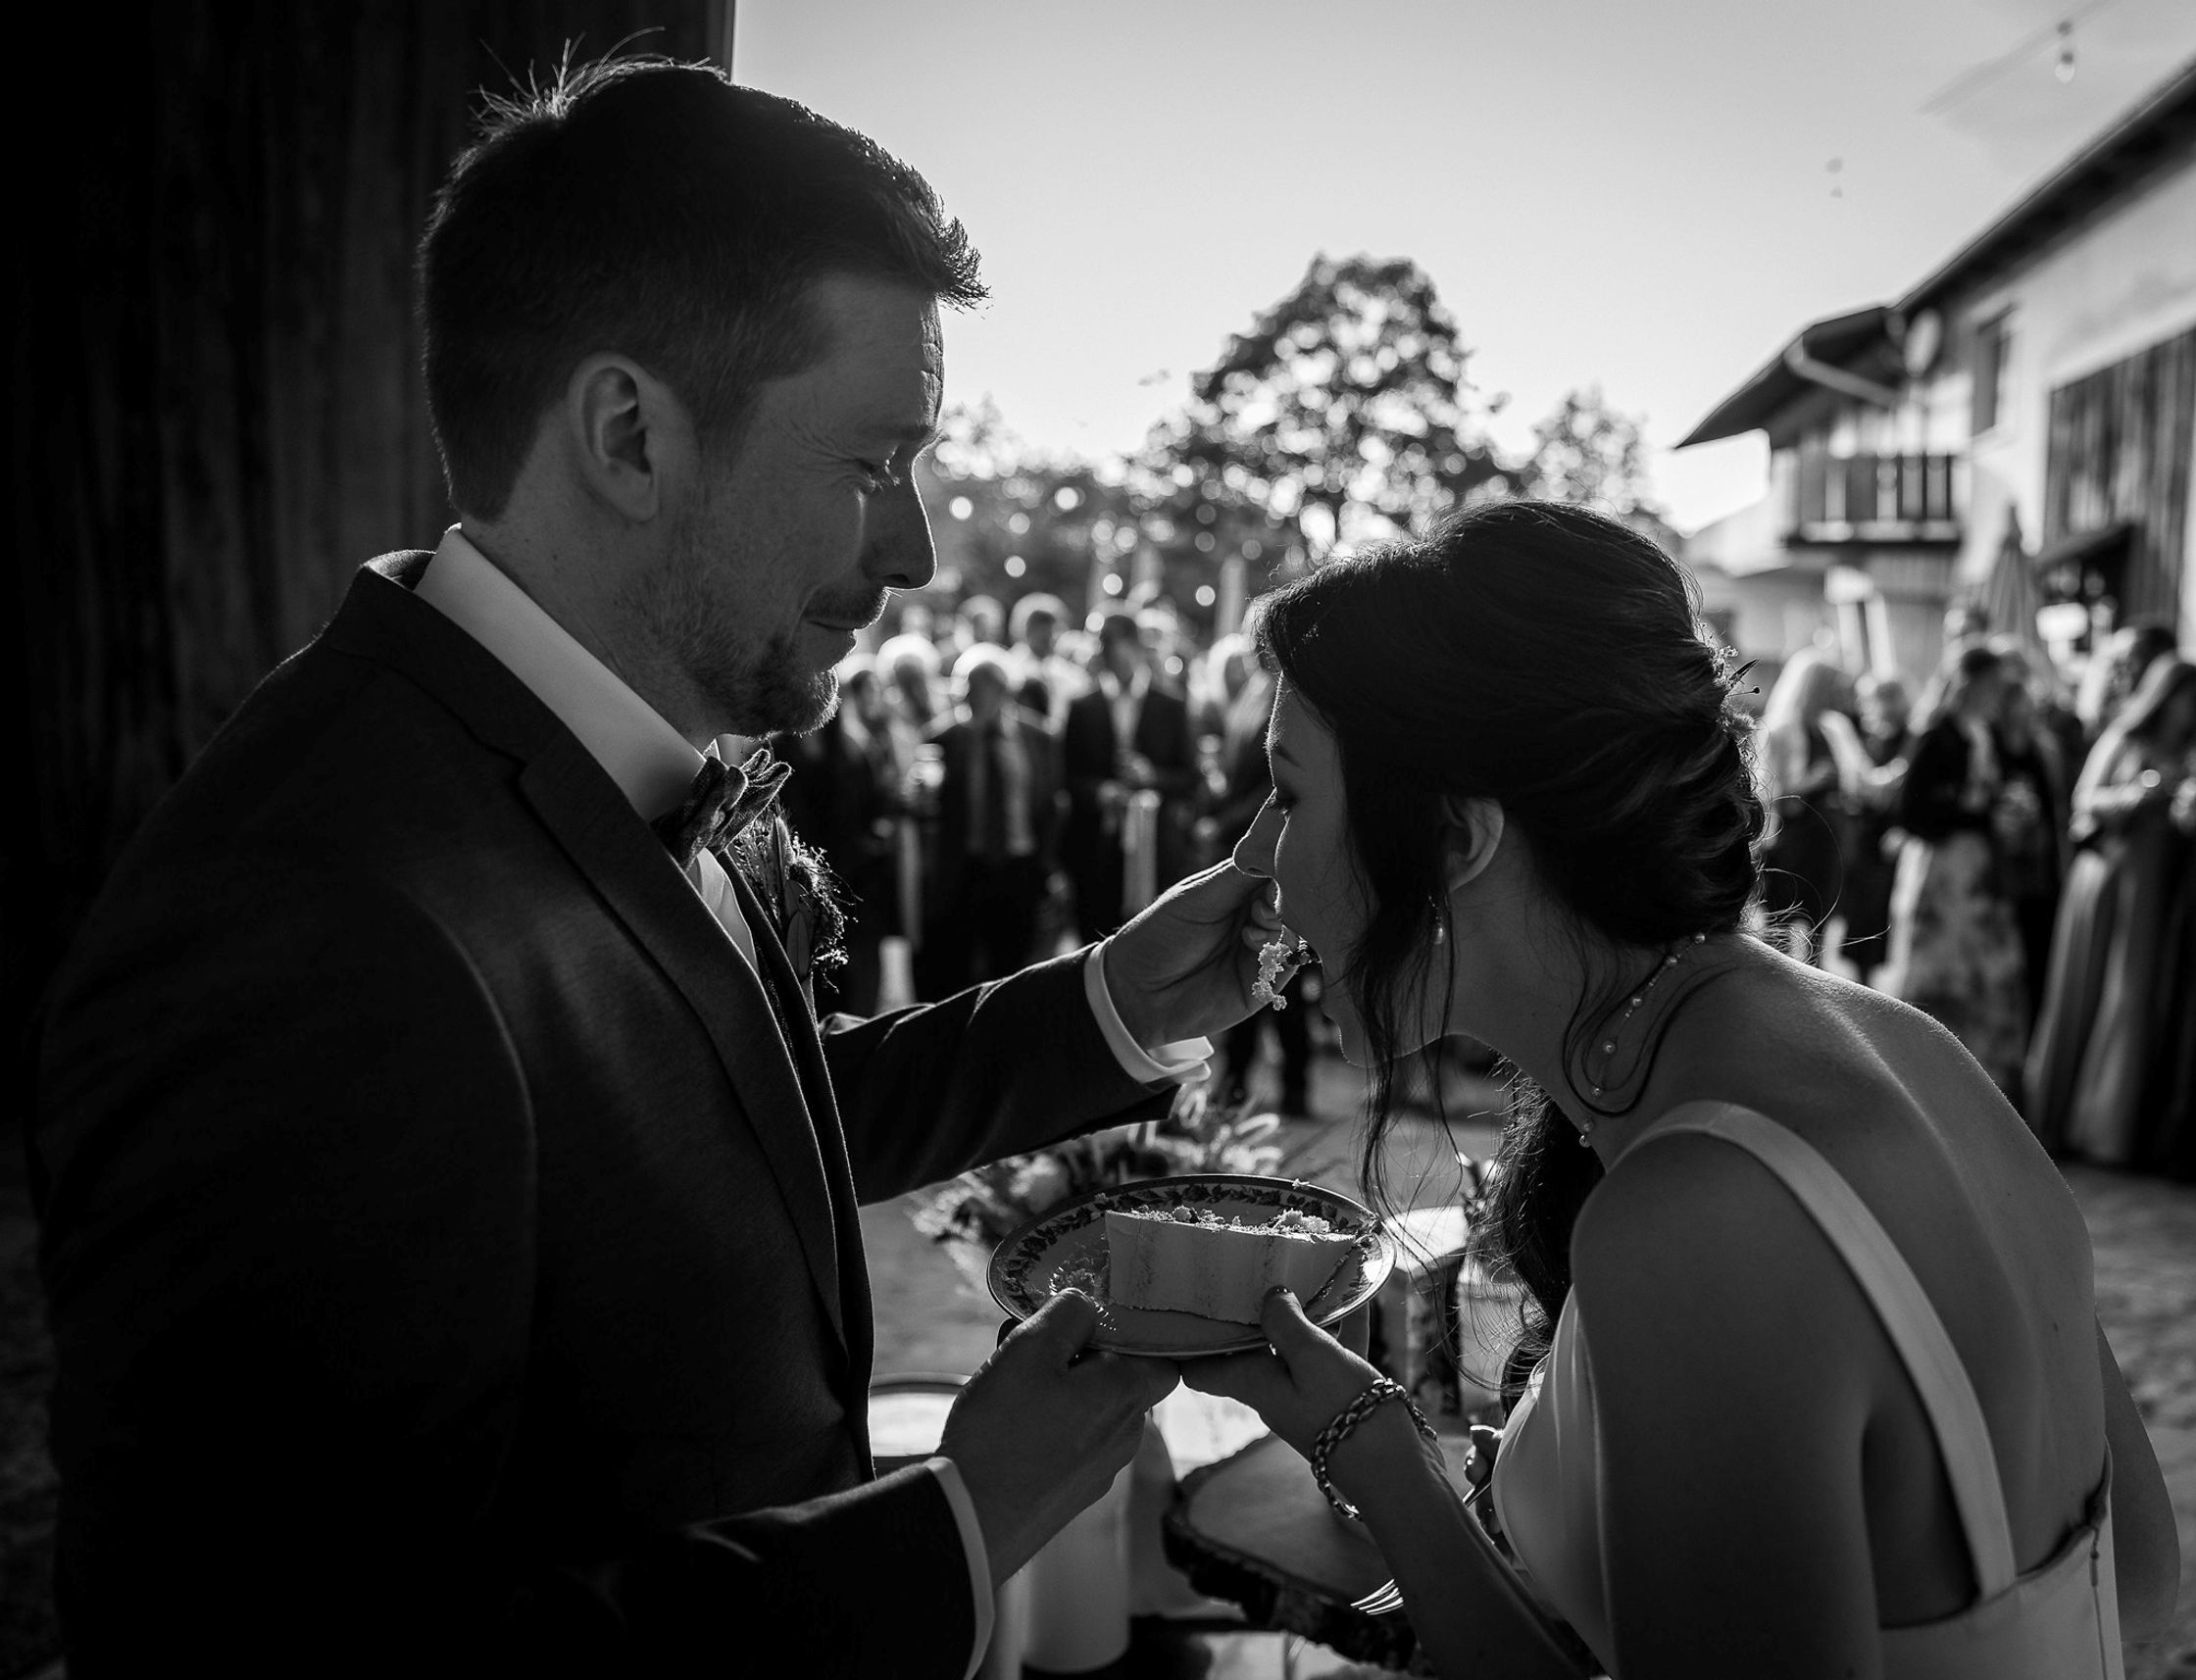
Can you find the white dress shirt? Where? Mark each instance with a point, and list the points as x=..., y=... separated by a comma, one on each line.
x=1125, y=700
x=654, y=767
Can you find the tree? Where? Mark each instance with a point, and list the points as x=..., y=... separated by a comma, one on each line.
x=1587, y=452
x=1008, y=521
x=1343, y=416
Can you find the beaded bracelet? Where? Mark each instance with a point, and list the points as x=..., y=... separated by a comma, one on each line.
x=1347, y=1419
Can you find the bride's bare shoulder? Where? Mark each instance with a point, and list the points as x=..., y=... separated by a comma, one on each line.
x=1818, y=1052
x=1883, y=1094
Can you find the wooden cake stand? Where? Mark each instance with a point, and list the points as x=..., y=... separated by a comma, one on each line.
x=1255, y=1530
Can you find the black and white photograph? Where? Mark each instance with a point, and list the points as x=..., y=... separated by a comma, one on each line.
x=1199, y=841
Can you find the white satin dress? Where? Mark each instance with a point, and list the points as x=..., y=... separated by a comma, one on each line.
x=2060, y=1621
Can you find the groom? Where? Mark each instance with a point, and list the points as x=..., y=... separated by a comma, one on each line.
x=449, y=1199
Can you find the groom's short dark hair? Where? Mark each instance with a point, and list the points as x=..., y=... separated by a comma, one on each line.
x=657, y=211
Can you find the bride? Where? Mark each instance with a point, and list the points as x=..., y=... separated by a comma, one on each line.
x=1816, y=1385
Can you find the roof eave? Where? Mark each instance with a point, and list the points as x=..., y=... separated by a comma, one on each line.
x=1758, y=399
x=2174, y=96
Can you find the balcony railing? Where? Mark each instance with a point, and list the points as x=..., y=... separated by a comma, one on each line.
x=1875, y=499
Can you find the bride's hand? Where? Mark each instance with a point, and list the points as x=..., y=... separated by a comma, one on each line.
x=1299, y=1383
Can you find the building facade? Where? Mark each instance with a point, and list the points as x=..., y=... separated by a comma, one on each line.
x=2017, y=433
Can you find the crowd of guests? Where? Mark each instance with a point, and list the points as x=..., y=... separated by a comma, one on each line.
x=2015, y=855
x=998, y=785
x=2018, y=858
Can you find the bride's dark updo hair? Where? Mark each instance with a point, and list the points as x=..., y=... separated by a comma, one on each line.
x=1553, y=661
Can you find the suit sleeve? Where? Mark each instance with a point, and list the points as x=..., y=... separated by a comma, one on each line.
x=850, y=1585
x=287, y=1163
x=998, y=1070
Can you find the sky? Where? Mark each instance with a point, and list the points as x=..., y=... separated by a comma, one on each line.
x=1648, y=195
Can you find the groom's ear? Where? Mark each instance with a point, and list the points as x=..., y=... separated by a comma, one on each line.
x=1474, y=835
x=624, y=429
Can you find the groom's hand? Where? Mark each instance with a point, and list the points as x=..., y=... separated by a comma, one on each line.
x=1042, y=1429
x=1185, y=967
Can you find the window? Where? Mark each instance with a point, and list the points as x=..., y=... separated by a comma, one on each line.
x=1988, y=362
x=2116, y=495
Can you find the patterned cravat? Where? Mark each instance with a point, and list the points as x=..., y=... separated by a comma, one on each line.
x=721, y=803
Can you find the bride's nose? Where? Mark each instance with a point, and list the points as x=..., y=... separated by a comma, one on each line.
x=1254, y=852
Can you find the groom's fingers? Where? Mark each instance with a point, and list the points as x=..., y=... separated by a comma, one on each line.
x=1145, y=1381
x=1220, y=893
x=1065, y=1324
x=1256, y=1379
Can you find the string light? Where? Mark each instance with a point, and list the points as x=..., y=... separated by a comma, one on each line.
x=1971, y=82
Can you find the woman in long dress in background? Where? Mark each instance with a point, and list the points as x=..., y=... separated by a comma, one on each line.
x=1824, y=1268
x=1803, y=866
x=2094, y=1040
x=2168, y=1099
x=2028, y=824
x=1956, y=950
x=1871, y=764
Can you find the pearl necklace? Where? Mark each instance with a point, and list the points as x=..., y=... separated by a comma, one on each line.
x=1631, y=1008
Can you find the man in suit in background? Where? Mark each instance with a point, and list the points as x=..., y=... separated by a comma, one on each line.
x=1128, y=735
x=449, y=1199
x=1049, y=679
x=999, y=809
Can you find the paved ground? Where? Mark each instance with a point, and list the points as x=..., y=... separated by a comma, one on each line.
x=2144, y=1234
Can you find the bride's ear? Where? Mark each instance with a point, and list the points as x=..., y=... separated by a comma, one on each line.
x=1474, y=836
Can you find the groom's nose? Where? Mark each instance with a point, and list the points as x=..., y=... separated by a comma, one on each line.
x=899, y=553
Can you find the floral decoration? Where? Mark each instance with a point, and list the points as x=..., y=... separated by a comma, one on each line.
x=972, y=1215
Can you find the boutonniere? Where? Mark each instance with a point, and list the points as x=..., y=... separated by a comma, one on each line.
x=790, y=876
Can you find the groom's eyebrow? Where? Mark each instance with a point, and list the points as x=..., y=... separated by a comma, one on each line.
x=1279, y=750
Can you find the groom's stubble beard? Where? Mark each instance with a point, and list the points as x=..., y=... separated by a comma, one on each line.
x=692, y=611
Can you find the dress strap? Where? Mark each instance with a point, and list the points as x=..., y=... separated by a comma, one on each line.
x=1916, y=1330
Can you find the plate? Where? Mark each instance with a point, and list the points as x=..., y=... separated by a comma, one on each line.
x=1046, y=1255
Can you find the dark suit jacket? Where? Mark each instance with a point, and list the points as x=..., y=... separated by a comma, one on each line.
x=835, y=799
x=1042, y=749
x=1090, y=756
x=453, y=1264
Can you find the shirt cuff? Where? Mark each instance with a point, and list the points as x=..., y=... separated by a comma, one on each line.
x=977, y=1554
x=1177, y=1063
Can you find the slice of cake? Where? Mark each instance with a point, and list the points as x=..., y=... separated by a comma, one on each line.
x=1194, y=1260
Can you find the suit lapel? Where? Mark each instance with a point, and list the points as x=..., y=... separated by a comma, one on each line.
x=796, y=1023
x=590, y=818
x=798, y=1019
x=645, y=888
x=1151, y=716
